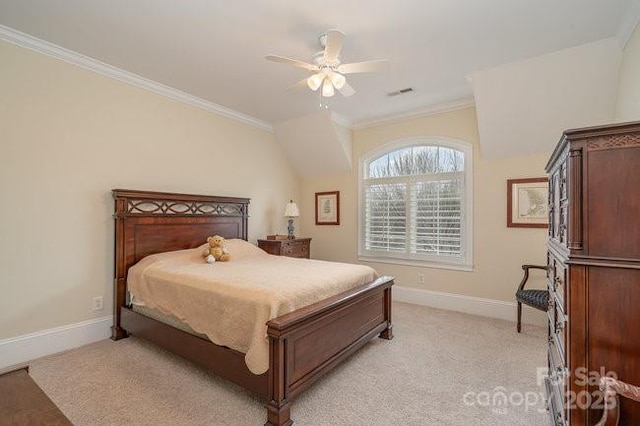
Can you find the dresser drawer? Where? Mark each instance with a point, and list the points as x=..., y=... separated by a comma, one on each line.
x=555, y=403
x=557, y=328
x=556, y=382
x=557, y=365
x=295, y=249
x=557, y=279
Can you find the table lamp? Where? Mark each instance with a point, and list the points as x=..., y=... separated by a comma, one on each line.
x=291, y=211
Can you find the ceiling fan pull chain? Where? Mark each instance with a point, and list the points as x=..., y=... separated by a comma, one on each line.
x=324, y=102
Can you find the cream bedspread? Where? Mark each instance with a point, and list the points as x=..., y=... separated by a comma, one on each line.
x=231, y=302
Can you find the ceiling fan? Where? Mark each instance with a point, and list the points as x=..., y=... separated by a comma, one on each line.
x=329, y=72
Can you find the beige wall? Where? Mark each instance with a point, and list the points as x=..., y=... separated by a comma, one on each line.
x=498, y=251
x=628, y=106
x=67, y=137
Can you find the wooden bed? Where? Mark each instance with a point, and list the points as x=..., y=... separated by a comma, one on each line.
x=303, y=345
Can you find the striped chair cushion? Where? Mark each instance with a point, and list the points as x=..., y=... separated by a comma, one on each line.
x=538, y=299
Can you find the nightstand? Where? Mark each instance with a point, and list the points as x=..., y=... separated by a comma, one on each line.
x=296, y=247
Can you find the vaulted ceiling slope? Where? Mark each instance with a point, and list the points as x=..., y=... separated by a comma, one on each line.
x=316, y=144
x=523, y=107
x=214, y=50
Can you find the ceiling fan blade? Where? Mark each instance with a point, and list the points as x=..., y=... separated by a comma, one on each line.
x=347, y=90
x=366, y=66
x=333, y=45
x=294, y=62
x=301, y=83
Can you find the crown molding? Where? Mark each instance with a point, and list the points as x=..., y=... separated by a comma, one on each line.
x=417, y=113
x=30, y=42
x=629, y=24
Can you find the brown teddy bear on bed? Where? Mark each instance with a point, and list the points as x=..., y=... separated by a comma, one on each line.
x=216, y=251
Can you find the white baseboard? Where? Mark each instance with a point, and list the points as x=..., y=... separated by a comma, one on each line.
x=468, y=304
x=17, y=351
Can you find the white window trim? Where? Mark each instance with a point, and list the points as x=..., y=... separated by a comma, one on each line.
x=462, y=264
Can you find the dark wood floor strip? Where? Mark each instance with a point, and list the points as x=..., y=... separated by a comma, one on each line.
x=23, y=403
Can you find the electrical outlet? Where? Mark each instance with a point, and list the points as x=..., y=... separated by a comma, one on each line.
x=97, y=303
x=420, y=278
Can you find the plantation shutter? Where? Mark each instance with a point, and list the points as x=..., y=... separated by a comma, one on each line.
x=414, y=205
x=386, y=217
x=437, y=217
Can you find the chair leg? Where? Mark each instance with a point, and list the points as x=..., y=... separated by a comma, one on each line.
x=519, y=316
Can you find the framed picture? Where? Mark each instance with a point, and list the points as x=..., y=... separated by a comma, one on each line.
x=528, y=203
x=328, y=208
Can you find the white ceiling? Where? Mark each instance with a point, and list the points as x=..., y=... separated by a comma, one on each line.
x=215, y=49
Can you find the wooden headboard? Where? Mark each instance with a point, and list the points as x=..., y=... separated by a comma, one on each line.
x=153, y=222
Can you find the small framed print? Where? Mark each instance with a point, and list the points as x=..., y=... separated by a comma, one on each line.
x=528, y=203
x=328, y=208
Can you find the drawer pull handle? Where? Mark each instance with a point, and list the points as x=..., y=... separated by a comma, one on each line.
x=561, y=372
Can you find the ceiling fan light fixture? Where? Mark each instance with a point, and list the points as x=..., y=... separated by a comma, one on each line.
x=338, y=80
x=327, y=88
x=315, y=81
x=328, y=70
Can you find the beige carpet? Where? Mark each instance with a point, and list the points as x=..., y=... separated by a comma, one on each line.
x=442, y=368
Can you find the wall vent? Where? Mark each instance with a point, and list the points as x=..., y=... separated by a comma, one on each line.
x=401, y=91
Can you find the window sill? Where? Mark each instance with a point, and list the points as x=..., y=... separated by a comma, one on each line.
x=419, y=263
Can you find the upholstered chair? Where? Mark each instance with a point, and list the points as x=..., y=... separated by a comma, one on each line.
x=538, y=299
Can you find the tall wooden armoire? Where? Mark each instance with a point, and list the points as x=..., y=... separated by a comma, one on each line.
x=594, y=270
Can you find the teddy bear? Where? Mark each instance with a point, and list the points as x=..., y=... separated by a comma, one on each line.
x=216, y=250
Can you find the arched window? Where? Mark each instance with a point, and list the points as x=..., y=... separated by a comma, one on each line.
x=416, y=203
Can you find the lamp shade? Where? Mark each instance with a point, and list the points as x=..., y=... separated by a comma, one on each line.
x=291, y=210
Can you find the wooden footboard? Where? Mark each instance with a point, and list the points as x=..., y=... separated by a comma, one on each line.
x=304, y=344
x=308, y=343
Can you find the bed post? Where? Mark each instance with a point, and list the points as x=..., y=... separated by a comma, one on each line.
x=119, y=285
x=387, y=333
x=278, y=408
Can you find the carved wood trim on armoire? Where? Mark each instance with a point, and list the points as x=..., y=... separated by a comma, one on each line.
x=593, y=270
